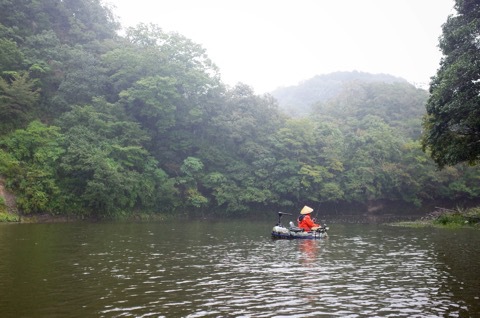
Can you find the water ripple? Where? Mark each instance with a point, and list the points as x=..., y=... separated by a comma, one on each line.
x=140, y=271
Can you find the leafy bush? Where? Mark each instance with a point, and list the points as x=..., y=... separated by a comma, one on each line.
x=450, y=218
x=3, y=206
x=7, y=217
x=458, y=217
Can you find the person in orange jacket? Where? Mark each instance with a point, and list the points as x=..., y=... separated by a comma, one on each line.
x=305, y=221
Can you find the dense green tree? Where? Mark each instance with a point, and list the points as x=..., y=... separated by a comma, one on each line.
x=83, y=79
x=192, y=170
x=452, y=124
x=299, y=100
x=104, y=125
x=105, y=165
x=74, y=21
x=399, y=104
x=372, y=149
x=300, y=140
x=148, y=51
x=152, y=102
x=31, y=169
x=18, y=96
x=11, y=58
x=59, y=45
x=45, y=57
x=166, y=83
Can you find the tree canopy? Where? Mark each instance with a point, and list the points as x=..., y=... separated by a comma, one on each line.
x=452, y=123
x=101, y=125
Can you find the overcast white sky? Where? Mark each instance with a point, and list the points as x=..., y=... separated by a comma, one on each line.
x=272, y=43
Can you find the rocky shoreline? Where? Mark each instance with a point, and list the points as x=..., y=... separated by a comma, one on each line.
x=447, y=218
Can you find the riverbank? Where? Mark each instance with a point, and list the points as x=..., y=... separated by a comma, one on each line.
x=9, y=213
x=6, y=217
x=447, y=218
x=8, y=207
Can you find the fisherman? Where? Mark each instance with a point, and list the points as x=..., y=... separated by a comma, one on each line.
x=305, y=221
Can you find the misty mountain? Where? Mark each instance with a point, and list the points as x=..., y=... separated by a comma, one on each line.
x=298, y=100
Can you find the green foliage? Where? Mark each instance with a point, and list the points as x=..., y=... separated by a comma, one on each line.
x=452, y=124
x=400, y=105
x=9, y=166
x=106, y=126
x=7, y=217
x=83, y=78
x=30, y=167
x=77, y=21
x=301, y=99
x=456, y=218
x=191, y=167
x=452, y=219
x=149, y=52
x=188, y=182
x=11, y=58
x=446, y=218
x=18, y=96
x=151, y=101
x=108, y=172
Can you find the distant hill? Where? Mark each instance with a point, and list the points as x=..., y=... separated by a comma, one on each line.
x=298, y=100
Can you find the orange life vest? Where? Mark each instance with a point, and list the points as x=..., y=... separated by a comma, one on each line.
x=306, y=222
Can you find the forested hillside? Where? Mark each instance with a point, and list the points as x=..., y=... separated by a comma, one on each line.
x=100, y=125
x=298, y=100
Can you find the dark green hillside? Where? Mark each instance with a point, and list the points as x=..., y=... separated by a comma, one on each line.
x=298, y=100
x=98, y=125
x=399, y=104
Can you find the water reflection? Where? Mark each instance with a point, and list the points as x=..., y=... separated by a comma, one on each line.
x=454, y=249
x=309, y=250
x=235, y=269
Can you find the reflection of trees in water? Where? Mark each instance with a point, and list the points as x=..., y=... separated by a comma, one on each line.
x=458, y=256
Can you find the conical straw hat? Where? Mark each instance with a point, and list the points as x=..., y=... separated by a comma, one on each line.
x=306, y=210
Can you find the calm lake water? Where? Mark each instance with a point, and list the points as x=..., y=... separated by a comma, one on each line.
x=234, y=269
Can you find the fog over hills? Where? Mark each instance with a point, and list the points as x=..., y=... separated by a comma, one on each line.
x=298, y=100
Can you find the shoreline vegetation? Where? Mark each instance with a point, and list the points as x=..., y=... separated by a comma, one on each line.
x=105, y=123
x=9, y=213
x=446, y=218
x=6, y=214
x=440, y=218
x=8, y=217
